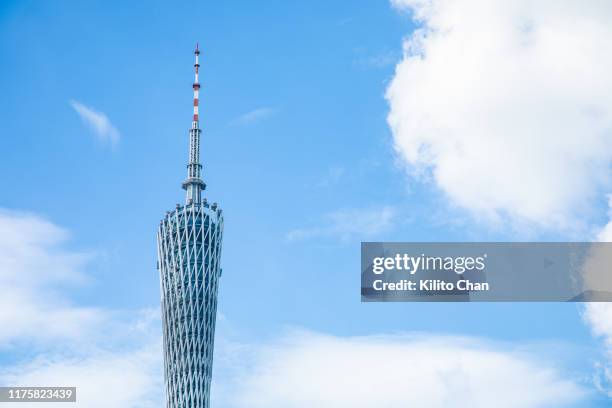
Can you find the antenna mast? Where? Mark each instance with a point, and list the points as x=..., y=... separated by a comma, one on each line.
x=193, y=183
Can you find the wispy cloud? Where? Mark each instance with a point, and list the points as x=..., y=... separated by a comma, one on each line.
x=382, y=59
x=344, y=21
x=98, y=122
x=333, y=176
x=254, y=116
x=348, y=224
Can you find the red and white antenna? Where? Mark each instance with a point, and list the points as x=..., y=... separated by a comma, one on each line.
x=196, y=84
x=194, y=184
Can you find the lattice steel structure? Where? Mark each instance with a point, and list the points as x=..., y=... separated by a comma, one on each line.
x=189, y=251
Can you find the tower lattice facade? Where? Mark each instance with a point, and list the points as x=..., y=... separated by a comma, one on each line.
x=189, y=251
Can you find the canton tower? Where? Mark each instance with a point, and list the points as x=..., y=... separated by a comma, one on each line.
x=189, y=249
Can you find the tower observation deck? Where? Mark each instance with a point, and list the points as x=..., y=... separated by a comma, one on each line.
x=189, y=251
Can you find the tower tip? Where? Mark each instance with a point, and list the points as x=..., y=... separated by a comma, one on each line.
x=196, y=83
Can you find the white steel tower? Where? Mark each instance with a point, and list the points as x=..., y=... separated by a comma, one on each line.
x=189, y=251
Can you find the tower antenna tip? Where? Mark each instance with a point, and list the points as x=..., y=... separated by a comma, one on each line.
x=197, y=50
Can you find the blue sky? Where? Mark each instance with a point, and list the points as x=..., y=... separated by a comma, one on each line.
x=296, y=149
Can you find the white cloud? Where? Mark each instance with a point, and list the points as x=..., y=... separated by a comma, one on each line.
x=599, y=317
x=98, y=122
x=112, y=357
x=507, y=106
x=253, y=116
x=103, y=379
x=34, y=267
x=314, y=370
x=605, y=235
x=349, y=224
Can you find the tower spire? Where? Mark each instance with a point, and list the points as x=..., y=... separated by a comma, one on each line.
x=189, y=241
x=196, y=84
x=193, y=183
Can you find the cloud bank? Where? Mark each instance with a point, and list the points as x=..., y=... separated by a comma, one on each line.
x=507, y=106
x=98, y=350
x=34, y=267
x=305, y=370
x=112, y=357
x=98, y=122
